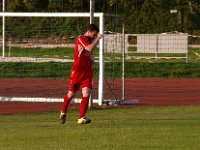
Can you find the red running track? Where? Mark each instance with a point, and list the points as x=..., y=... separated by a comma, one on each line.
x=148, y=91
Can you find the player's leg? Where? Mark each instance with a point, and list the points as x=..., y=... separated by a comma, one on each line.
x=75, y=81
x=86, y=91
x=65, y=105
x=84, y=106
x=85, y=100
x=67, y=100
x=73, y=87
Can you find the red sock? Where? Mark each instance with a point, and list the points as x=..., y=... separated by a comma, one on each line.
x=84, y=106
x=65, y=104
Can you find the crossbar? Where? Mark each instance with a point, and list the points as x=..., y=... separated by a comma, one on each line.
x=32, y=14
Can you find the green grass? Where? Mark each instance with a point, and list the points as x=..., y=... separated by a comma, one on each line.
x=162, y=70
x=34, y=70
x=49, y=52
x=113, y=67
x=193, y=56
x=68, y=52
x=139, y=128
x=40, y=52
x=132, y=70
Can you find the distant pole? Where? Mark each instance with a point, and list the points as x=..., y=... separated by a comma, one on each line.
x=3, y=30
x=91, y=11
x=91, y=21
x=123, y=61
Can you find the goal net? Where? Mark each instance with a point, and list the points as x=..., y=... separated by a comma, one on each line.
x=113, y=58
x=37, y=54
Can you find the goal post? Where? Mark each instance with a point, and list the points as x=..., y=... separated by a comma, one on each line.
x=5, y=15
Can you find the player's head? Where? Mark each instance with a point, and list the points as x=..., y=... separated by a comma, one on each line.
x=92, y=30
x=93, y=27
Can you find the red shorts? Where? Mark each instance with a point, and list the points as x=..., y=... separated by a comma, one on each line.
x=80, y=78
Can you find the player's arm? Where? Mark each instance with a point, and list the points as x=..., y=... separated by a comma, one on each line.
x=94, y=44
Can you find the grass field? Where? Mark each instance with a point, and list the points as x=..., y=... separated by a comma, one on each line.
x=132, y=70
x=138, y=128
x=69, y=52
x=139, y=68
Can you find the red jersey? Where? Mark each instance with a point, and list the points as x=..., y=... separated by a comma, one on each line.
x=82, y=73
x=83, y=59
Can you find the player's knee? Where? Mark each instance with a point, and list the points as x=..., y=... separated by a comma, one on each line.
x=70, y=94
x=86, y=92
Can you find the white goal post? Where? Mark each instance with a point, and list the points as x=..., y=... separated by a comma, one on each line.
x=101, y=42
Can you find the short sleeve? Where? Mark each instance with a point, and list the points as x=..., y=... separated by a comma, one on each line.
x=83, y=41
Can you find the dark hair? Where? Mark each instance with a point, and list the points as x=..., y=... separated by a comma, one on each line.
x=93, y=27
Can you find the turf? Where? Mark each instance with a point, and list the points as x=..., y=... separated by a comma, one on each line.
x=40, y=52
x=138, y=128
x=132, y=70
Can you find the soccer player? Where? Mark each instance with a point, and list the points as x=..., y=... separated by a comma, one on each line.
x=82, y=72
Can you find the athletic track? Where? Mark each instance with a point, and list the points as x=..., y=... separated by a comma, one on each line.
x=153, y=92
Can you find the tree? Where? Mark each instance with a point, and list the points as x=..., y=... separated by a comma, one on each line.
x=140, y=16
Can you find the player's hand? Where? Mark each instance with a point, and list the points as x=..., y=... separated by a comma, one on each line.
x=99, y=35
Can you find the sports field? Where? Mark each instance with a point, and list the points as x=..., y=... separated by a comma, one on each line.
x=138, y=128
x=152, y=61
